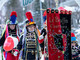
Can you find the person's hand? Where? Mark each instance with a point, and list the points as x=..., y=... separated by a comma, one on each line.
x=15, y=53
x=41, y=37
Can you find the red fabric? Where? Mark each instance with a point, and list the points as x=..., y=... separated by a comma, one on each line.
x=45, y=13
x=8, y=44
x=40, y=41
x=72, y=35
x=50, y=37
x=61, y=11
x=61, y=8
x=10, y=56
x=15, y=50
x=57, y=24
x=43, y=52
x=70, y=12
x=53, y=27
x=13, y=13
x=66, y=12
x=29, y=16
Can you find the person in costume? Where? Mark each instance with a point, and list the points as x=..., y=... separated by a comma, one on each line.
x=74, y=47
x=10, y=38
x=43, y=38
x=28, y=44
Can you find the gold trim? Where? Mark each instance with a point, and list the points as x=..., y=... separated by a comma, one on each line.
x=30, y=23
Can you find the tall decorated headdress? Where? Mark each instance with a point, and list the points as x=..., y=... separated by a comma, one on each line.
x=29, y=19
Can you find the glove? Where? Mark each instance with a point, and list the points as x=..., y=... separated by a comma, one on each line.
x=43, y=32
x=15, y=53
x=41, y=37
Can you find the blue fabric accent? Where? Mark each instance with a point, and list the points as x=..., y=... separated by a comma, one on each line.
x=5, y=55
x=73, y=38
x=31, y=20
x=44, y=17
x=13, y=19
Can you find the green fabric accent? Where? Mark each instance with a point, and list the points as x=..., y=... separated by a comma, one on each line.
x=3, y=31
x=2, y=52
x=37, y=44
x=61, y=36
x=24, y=48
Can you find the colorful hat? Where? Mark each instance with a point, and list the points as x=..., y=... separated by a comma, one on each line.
x=73, y=38
x=13, y=17
x=61, y=8
x=30, y=19
x=13, y=13
x=45, y=15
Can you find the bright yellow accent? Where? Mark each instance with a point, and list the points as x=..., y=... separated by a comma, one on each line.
x=3, y=30
x=30, y=23
x=63, y=52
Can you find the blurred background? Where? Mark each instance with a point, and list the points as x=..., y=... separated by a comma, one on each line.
x=37, y=7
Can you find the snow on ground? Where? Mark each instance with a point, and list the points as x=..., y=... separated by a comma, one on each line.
x=2, y=2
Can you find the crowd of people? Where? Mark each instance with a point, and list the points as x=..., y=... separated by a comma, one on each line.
x=24, y=46
x=29, y=44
